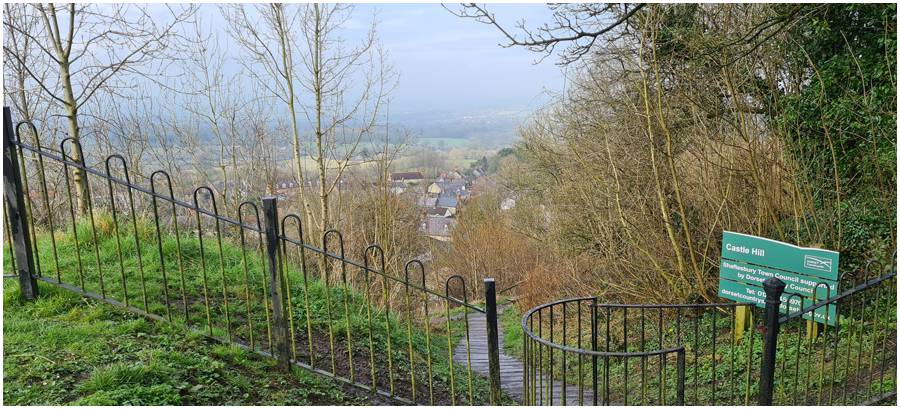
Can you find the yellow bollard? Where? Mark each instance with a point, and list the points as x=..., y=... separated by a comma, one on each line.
x=812, y=329
x=743, y=319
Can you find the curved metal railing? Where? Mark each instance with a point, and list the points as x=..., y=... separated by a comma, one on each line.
x=578, y=351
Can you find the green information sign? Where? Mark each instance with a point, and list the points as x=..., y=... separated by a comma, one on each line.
x=749, y=293
x=796, y=283
x=811, y=275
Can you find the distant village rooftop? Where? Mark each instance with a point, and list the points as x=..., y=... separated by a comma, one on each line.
x=406, y=176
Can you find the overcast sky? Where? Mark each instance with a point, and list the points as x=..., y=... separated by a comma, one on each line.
x=446, y=61
x=450, y=63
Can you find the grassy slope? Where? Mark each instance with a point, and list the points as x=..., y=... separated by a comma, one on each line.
x=236, y=289
x=62, y=349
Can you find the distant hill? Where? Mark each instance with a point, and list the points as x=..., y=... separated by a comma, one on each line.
x=484, y=128
x=439, y=129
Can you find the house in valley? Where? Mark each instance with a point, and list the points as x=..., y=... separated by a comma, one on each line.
x=451, y=175
x=284, y=184
x=442, y=187
x=439, y=212
x=438, y=228
x=407, y=178
x=403, y=181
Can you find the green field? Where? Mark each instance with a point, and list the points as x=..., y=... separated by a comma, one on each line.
x=449, y=143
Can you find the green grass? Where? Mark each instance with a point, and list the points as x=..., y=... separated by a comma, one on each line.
x=511, y=322
x=209, y=279
x=62, y=349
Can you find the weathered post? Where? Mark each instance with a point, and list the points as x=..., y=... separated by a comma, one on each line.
x=773, y=288
x=490, y=298
x=15, y=205
x=276, y=285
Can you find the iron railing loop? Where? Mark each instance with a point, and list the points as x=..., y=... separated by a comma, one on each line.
x=66, y=160
x=34, y=131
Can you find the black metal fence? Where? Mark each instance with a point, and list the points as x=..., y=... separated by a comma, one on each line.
x=853, y=362
x=249, y=280
x=618, y=354
x=581, y=352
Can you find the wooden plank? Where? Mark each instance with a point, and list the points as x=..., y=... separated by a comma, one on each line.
x=511, y=369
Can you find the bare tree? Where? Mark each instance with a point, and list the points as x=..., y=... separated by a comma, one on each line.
x=342, y=111
x=266, y=33
x=388, y=207
x=124, y=126
x=211, y=96
x=89, y=46
x=25, y=96
x=261, y=138
x=294, y=49
x=186, y=148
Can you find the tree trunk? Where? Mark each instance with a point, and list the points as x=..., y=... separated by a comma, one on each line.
x=74, y=133
x=324, y=222
x=288, y=64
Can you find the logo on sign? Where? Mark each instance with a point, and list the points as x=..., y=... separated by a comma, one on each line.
x=817, y=263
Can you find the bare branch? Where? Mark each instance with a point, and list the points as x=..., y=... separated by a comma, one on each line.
x=572, y=23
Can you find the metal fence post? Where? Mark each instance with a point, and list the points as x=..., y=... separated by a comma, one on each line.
x=277, y=291
x=490, y=297
x=679, y=367
x=15, y=205
x=773, y=288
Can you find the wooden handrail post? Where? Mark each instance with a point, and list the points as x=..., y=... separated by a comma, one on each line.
x=277, y=290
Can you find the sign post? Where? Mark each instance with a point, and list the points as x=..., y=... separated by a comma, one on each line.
x=810, y=275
